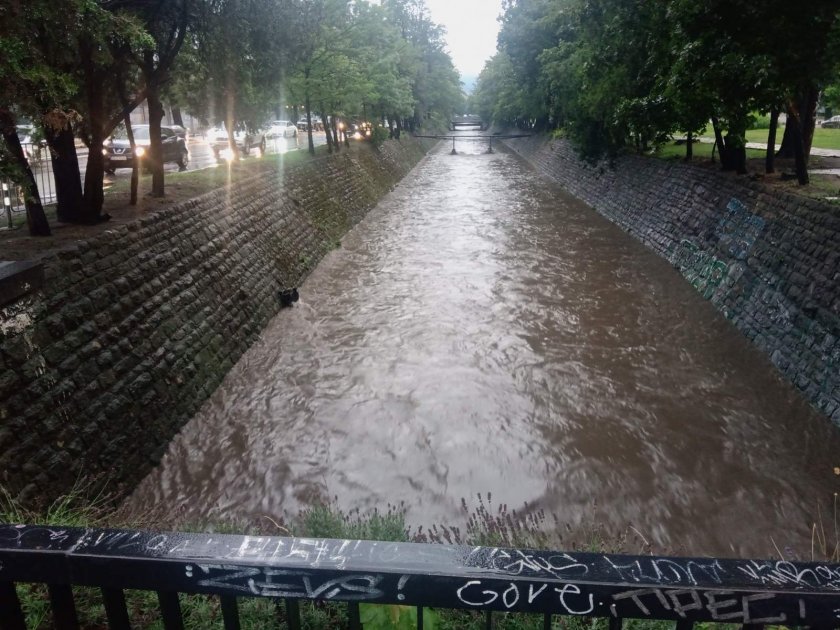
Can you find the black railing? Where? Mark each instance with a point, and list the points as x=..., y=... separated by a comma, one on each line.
x=13, y=195
x=617, y=587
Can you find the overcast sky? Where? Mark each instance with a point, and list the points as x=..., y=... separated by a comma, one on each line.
x=471, y=30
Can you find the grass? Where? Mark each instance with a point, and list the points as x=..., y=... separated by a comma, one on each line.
x=826, y=545
x=823, y=138
x=702, y=151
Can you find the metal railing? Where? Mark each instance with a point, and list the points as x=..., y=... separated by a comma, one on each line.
x=487, y=579
x=13, y=196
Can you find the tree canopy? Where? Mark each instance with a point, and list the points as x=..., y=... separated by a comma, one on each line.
x=618, y=75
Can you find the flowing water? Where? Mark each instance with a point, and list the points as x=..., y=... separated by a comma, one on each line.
x=482, y=331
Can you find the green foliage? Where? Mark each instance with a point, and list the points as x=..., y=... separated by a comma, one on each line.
x=619, y=76
x=328, y=521
x=378, y=135
x=759, y=121
x=395, y=617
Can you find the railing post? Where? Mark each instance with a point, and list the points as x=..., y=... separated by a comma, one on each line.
x=63, y=607
x=11, y=615
x=170, y=610
x=230, y=612
x=354, y=618
x=115, y=609
x=293, y=614
x=454, y=152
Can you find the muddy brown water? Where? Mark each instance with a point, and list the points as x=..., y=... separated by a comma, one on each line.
x=482, y=331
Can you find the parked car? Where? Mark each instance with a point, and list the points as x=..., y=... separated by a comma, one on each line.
x=281, y=129
x=245, y=140
x=832, y=123
x=118, y=154
x=317, y=124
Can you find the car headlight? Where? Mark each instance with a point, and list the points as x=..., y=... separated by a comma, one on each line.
x=104, y=151
x=139, y=151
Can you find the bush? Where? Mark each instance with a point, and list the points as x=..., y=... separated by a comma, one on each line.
x=760, y=121
x=379, y=135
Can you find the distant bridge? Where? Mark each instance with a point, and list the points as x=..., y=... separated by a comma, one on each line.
x=466, y=121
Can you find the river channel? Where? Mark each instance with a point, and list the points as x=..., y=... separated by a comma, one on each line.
x=482, y=331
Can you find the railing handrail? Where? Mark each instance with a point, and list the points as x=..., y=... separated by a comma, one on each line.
x=430, y=575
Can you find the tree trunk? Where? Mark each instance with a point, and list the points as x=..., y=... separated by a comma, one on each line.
x=769, y=160
x=805, y=106
x=798, y=144
x=135, y=170
x=177, y=118
x=808, y=121
x=689, y=147
x=309, y=127
x=155, y=143
x=94, y=180
x=327, y=129
x=36, y=220
x=722, y=152
x=336, y=138
x=94, y=196
x=68, y=178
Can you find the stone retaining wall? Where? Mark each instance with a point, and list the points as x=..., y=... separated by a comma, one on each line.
x=770, y=262
x=134, y=329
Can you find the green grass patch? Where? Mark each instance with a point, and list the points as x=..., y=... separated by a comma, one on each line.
x=702, y=151
x=823, y=138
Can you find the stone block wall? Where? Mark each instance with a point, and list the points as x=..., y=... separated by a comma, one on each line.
x=769, y=261
x=133, y=330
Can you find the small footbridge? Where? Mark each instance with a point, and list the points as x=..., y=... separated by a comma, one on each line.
x=474, y=138
x=469, y=120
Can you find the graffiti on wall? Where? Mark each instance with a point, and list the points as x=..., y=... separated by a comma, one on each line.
x=738, y=230
x=702, y=269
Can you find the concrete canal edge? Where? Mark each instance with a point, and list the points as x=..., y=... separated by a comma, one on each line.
x=131, y=331
x=768, y=261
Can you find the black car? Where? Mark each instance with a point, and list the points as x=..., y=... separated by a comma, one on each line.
x=118, y=154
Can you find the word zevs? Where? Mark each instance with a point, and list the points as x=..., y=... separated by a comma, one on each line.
x=267, y=582
x=574, y=599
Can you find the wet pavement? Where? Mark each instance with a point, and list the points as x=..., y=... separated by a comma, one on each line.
x=482, y=331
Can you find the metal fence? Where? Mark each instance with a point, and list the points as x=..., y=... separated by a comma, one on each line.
x=13, y=194
x=491, y=580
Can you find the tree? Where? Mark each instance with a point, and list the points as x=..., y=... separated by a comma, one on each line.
x=29, y=80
